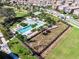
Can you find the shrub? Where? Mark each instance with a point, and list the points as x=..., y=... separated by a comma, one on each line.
x=21, y=37
x=75, y=16
x=33, y=30
x=33, y=25
x=62, y=11
x=23, y=24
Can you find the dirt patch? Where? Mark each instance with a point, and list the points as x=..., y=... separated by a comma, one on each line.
x=39, y=42
x=45, y=53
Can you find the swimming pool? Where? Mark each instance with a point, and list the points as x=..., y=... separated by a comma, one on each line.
x=25, y=29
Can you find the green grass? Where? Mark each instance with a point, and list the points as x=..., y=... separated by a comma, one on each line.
x=68, y=47
x=2, y=19
x=20, y=14
x=17, y=48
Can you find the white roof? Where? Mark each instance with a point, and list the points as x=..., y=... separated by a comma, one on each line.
x=37, y=13
x=1, y=35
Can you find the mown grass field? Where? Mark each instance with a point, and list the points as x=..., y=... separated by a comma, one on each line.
x=21, y=13
x=68, y=47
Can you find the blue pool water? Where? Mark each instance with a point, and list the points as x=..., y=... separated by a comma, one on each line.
x=25, y=29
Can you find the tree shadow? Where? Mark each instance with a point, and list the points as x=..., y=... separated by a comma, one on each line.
x=31, y=41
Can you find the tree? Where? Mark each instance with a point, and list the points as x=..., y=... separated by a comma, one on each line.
x=23, y=24
x=20, y=51
x=18, y=7
x=33, y=30
x=8, y=12
x=33, y=25
x=50, y=20
x=23, y=38
x=75, y=16
x=1, y=5
x=19, y=36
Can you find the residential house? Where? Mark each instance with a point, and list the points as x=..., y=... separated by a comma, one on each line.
x=76, y=12
x=19, y=1
x=34, y=2
x=62, y=7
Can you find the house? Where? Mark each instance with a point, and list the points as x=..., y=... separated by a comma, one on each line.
x=70, y=1
x=19, y=1
x=34, y=2
x=76, y=12
x=61, y=7
x=67, y=9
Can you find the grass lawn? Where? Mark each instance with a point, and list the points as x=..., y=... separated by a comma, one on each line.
x=14, y=25
x=2, y=19
x=67, y=48
x=17, y=48
x=20, y=13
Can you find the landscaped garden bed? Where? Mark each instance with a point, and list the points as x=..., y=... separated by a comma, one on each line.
x=39, y=42
x=17, y=48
